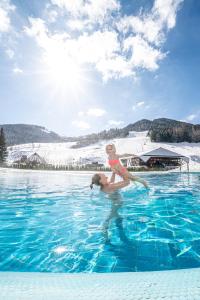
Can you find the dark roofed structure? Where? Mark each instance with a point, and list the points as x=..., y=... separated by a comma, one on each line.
x=162, y=157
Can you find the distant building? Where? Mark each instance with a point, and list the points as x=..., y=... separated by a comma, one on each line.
x=31, y=161
x=130, y=160
x=36, y=160
x=160, y=158
x=90, y=161
x=163, y=158
x=94, y=165
x=20, y=162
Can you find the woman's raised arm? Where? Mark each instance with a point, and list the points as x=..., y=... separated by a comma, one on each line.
x=112, y=179
x=119, y=185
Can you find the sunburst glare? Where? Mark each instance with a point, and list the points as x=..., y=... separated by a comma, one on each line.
x=64, y=72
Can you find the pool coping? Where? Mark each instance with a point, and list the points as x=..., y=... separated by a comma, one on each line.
x=92, y=172
x=175, y=284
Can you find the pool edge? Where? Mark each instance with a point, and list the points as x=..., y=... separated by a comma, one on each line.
x=175, y=284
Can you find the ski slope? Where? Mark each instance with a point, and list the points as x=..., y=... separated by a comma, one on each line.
x=137, y=143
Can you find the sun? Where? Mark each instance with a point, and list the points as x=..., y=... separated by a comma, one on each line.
x=63, y=71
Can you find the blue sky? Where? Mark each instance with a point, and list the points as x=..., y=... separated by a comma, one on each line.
x=81, y=66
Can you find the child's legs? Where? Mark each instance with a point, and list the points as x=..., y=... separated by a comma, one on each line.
x=126, y=175
x=129, y=176
x=134, y=178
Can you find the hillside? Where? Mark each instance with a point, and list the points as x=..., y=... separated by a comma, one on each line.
x=21, y=133
x=159, y=130
x=142, y=125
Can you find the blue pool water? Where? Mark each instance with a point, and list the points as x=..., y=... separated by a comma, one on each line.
x=53, y=222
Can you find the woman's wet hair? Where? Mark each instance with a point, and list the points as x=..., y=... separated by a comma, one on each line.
x=96, y=180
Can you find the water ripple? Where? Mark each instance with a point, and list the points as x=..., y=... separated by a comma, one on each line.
x=55, y=223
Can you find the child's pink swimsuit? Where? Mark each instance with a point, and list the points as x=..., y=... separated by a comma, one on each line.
x=114, y=162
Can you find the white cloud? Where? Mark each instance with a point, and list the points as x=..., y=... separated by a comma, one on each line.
x=37, y=29
x=81, y=113
x=81, y=125
x=153, y=26
x=72, y=6
x=165, y=11
x=96, y=47
x=115, y=123
x=99, y=48
x=143, y=55
x=17, y=70
x=4, y=20
x=96, y=112
x=10, y=53
x=99, y=9
x=191, y=117
x=52, y=15
x=99, y=44
x=92, y=9
x=116, y=67
x=139, y=104
x=5, y=9
x=76, y=24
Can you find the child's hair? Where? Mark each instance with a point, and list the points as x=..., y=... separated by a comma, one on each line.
x=112, y=145
x=95, y=180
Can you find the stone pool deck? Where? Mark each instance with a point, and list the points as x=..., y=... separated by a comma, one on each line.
x=179, y=284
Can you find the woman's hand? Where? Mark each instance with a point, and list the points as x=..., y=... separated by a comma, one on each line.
x=120, y=184
x=112, y=179
x=115, y=171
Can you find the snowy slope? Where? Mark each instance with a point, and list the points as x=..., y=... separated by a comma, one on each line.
x=136, y=143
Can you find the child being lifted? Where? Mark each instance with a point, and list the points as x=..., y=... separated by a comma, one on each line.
x=116, y=166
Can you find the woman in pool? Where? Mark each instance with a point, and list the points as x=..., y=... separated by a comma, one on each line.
x=106, y=186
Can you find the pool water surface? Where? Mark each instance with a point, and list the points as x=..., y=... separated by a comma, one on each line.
x=53, y=222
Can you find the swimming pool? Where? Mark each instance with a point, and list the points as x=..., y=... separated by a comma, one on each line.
x=53, y=222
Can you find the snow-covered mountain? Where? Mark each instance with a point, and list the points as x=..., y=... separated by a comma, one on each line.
x=160, y=130
x=135, y=143
x=24, y=133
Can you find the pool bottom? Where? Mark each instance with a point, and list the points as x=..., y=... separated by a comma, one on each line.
x=178, y=284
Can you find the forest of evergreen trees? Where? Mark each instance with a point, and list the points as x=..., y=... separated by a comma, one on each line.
x=171, y=131
x=3, y=148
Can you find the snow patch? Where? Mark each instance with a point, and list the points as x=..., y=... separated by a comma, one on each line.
x=61, y=153
x=45, y=130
